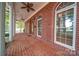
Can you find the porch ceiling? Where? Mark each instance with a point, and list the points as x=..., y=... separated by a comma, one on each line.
x=23, y=14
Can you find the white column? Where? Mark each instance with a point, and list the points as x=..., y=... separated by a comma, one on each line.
x=12, y=22
x=2, y=29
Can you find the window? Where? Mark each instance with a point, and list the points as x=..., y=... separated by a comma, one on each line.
x=65, y=25
x=39, y=27
x=32, y=27
x=65, y=4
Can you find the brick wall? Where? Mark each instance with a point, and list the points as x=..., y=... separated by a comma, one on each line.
x=48, y=15
x=77, y=30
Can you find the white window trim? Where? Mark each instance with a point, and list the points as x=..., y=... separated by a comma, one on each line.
x=74, y=26
x=37, y=27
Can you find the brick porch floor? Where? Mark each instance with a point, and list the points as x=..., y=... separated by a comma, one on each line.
x=24, y=45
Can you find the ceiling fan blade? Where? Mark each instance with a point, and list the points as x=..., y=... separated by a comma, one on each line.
x=23, y=7
x=28, y=10
x=28, y=3
x=32, y=9
x=24, y=3
x=31, y=5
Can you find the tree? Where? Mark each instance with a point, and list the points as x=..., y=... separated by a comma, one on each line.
x=20, y=25
x=6, y=20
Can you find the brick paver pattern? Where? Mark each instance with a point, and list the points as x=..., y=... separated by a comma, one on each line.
x=25, y=45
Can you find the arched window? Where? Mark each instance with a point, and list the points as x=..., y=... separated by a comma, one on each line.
x=64, y=4
x=39, y=26
x=65, y=24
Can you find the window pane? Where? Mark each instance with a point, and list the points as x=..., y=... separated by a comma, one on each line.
x=69, y=26
x=39, y=27
x=64, y=24
x=63, y=35
x=58, y=34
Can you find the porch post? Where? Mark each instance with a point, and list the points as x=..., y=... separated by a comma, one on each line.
x=12, y=22
x=2, y=29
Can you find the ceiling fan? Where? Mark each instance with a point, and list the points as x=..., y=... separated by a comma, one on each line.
x=28, y=6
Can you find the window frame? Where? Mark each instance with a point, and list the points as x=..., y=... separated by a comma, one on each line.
x=74, y=26
x=38, y=19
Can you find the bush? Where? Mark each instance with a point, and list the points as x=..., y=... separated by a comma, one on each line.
x=6, y=34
